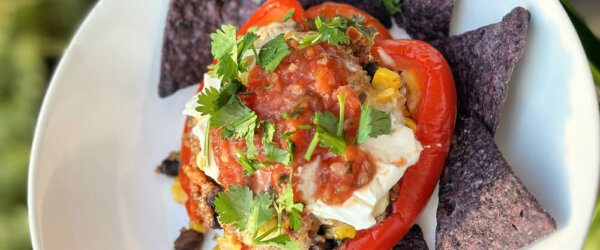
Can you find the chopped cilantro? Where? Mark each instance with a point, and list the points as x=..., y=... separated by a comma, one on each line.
x=286, y=203
x=292, y=115
x=372, y=123
x=273, y=52
x=289, y=15
x=228, y=50
x=268, y=131
x=304, y=126
x=277, y=154
x=326, y=121
x=282, y=241
x=333, y=30
x=392, y=6
x=232, y=112
x=208, y=99
x=250, y=165
x=247, y=213
x=326, y=134
x=342, y=101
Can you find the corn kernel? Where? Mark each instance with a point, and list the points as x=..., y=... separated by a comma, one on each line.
x=387, y=95
x=227, y=243
x=343, y=232
x=178, y=194
x=413, y=96
x=410, y=123
x=196, y=226
x=385, y=78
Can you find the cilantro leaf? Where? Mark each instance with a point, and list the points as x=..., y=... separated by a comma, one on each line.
x=289, y=15
x=228, y=51
x=372, y=123
x=326, y=134
x=251, y=150
x=250, y=165
x=295, y=220
x=277, y=154
x=208, y=100
x=212, y=99
x=327, y=121
x=333, y=30
x=223, y=41
x=237, y=206
x=268, y=131
x=231, y=112
x=392, y=6
x=273, y=52
x=336, y=144
x=358, y=22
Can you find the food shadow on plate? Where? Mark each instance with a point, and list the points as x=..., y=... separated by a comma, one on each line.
x=536, y=150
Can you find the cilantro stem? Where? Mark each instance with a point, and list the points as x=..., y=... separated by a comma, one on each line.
x=265, y=234
x=304, y=126
x=342, y=100
x=311, y=147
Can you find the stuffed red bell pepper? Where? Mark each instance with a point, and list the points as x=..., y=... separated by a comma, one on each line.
x=315, y=129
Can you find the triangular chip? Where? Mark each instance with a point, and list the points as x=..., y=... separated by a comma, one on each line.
x=373, y=7
x=482, y=204
x=426, y=20
x=186, y=45
x=482, y=62
x=413, y=240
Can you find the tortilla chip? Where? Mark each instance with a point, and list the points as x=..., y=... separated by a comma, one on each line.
x=186, y=46
x=482, y=62
x=413, y=240
x=426, y=20
x=373, y=7
x=482, y=204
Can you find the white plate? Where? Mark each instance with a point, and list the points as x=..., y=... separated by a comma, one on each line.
x=102, y=130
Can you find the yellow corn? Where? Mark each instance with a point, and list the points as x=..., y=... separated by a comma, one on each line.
x=387, y=95
x=414, y=93
x=410, y=123
x=196, y=226
x=227, y=243
x=271, y=224
x=343, y=232
x=385, y=78
x=178, y=194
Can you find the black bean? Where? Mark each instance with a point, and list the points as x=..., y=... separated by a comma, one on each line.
x=189, y=240
x=371, y=68
x=169, y=167
x=325, y=245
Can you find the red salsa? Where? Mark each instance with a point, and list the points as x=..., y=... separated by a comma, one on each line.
x=306, y=81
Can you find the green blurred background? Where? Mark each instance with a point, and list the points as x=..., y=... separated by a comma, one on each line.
x=33, y=35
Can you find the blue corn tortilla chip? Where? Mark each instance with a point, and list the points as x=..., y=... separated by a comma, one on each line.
x=482, y=62
x=482, y=204
x=373, y=7
x=413, y=240
x=186, y=45
x=426, y=20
